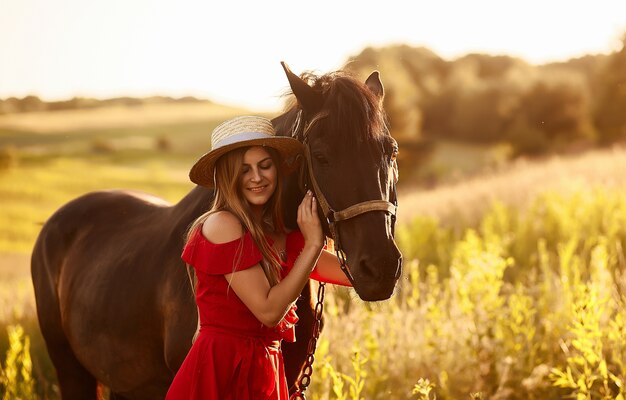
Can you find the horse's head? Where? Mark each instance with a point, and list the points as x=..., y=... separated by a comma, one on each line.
x=353, y=160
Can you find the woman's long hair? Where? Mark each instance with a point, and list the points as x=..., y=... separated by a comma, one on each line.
x=229, y=197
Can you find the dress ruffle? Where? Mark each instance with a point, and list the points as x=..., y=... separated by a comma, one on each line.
x=286, y=328
x=221, y=258
x=226, y=366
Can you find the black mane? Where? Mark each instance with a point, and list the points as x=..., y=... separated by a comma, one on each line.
x=354, y=114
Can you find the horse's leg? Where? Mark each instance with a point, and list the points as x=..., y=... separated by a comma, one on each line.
x=295, y=353
x=75, y=382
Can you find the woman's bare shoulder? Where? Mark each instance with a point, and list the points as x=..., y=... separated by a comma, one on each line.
x=222, y=227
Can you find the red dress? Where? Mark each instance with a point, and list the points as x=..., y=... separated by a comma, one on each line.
x=235, y=356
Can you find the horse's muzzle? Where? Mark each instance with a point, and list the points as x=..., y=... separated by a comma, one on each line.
x=376, y=281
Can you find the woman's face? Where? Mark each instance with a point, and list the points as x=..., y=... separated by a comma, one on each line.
x=258, y=176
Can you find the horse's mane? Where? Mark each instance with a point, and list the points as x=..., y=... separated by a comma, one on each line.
x=355, y=114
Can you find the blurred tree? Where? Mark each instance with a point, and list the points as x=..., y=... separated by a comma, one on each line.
x=491, y=67
x=590, y=68
x=478, y=99
x=484, y=98
x=481, y=115
x=70, y=104
x=610, y=110
x=10, y=105
x=438, y=111
x=409, y=75
x=398, y=121
x=31, y=103
x=554, y=114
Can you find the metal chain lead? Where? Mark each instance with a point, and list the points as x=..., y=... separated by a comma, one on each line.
x=305, y=378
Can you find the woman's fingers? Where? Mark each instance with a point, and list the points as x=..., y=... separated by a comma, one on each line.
x=308, y=220
x=310, y=206
x=314, y=208
x=307, y=212
x=303, y=209
x=306, y=203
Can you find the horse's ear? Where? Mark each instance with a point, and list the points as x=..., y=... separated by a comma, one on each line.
x=308, y=98
x=374, y=83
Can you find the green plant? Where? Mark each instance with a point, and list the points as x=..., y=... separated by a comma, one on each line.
x=16, y=375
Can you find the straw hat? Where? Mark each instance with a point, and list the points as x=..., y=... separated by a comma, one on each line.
x=241, y=132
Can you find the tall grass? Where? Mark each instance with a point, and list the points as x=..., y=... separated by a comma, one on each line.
x=16, y=380
x=527, y=306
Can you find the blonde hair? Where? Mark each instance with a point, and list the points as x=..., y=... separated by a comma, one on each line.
x=229, y=197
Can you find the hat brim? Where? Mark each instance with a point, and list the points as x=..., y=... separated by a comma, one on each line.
x=202, y=171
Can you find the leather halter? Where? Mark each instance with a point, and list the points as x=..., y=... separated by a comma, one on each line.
x=300, y=131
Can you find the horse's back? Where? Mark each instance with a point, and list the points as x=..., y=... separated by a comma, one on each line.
x=70, y=223
x=101, y=271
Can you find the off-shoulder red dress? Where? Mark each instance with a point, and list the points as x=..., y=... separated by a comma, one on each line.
x=235, y=356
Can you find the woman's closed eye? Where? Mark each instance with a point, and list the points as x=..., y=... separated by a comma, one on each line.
x=266, y=165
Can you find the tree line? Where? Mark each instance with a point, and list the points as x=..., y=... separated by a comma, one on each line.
x=34, y=103
x=476, y=98
x=487, y=99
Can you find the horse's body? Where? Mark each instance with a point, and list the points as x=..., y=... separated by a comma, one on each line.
x=113, y=299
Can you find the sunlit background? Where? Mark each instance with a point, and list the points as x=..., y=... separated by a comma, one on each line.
x=511, y=123
x=230, y=51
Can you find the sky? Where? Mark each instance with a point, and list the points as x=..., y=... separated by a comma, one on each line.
x=230, y=51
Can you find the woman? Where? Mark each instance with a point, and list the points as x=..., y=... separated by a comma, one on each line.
x=250, y=271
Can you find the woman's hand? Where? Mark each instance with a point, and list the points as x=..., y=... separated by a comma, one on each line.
x=309, y=222
x=270, y=303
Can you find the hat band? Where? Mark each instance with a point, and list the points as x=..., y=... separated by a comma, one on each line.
x=240, y=137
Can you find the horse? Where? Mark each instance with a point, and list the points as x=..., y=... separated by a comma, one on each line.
x=113, y=298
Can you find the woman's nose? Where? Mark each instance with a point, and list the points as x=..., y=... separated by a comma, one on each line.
x=256, y=175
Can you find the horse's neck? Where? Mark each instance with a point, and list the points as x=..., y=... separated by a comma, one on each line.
x=194, y=204
x=284, y=122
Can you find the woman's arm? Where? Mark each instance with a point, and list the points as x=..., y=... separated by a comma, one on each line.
x=328, y=270
x=269, y=304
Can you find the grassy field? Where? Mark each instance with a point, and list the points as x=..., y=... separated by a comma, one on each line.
x=134, y=117
x=528, y=305
x=464, y=201
x=513, y=286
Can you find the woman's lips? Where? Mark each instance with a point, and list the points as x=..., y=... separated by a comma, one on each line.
x=257, y=189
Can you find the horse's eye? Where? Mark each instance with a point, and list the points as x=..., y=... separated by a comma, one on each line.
x=321, y=158
x=394, y=155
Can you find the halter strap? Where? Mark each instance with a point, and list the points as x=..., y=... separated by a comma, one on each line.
x=366, y=206
x=333, y=217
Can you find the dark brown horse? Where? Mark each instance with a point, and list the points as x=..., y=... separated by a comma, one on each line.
x=113, y=299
